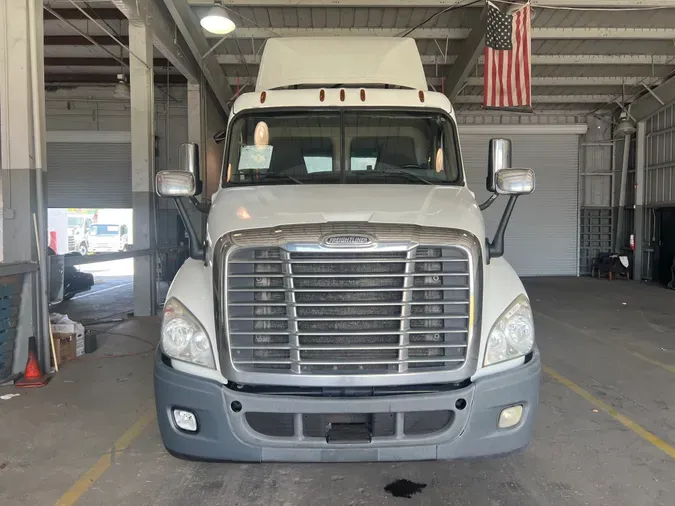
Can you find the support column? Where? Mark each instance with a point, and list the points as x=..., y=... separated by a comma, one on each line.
x=143, y=167
x=197, y=135
x=618, y=240
x=22, y=138
x=194, y=116
x=640, y=140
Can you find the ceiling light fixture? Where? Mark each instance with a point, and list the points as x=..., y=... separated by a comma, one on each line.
x=216, y=21
x=625, y=126
x=121, y=89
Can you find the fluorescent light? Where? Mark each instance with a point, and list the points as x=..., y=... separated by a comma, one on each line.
x=216, y=21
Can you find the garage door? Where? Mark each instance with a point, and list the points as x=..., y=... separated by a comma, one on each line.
x=542, y=237
x=93, y=171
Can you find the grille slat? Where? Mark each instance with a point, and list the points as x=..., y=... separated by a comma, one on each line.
x=341, y=333
x=348, y=312
x=315, y=290
x=351, y=347
x=349, y=318
x=357, y=276
x=346, y=261
x=350, y=304
x=350, y=362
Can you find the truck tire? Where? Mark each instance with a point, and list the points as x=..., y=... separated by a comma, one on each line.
x=83, y=249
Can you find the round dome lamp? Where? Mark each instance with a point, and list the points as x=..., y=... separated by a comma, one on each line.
x=121, y=90
x=217, y=21
x=625, y=126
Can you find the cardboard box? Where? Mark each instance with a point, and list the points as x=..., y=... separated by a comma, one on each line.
x=65, y=347
x=68, y=340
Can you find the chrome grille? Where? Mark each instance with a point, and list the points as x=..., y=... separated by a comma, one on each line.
x=349, y=312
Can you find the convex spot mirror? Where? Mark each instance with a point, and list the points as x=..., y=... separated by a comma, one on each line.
x=175, y=183
x=515, y=181
x=184, y=182
x=503, y=179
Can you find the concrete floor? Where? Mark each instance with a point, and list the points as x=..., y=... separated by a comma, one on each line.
x=614, y=340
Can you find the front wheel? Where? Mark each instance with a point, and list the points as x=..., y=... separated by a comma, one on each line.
x=83, y=249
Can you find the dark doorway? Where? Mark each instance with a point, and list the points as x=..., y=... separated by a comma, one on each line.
x=666, y=245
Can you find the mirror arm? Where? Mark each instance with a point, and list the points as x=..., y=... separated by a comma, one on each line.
x=488, y=202
x=496, y=246
x=202, y=207
x=196, y=248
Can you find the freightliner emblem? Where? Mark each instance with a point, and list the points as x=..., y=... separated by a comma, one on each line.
x=348, y=241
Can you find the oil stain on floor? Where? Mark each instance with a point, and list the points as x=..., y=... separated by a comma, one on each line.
x=404, y=488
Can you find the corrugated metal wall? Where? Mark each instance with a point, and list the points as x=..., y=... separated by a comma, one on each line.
x=659, y=181
x=660, y=159
x=89, y=175
x=543, y=233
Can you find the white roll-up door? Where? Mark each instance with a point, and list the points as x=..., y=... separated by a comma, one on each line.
x=542, y=237
x=88, y=173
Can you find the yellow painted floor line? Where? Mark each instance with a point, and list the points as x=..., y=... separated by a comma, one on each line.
x=623, y=420
x=96, y=471
x=667, y=367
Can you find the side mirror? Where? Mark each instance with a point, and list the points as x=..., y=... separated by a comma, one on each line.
x=175, y=183
x=499, y=158
x=515, y=181
x=188, y=161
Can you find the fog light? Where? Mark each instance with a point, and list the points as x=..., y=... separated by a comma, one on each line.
x=185, y=420
x=510, y=416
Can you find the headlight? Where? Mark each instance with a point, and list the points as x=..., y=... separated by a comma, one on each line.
x=183, y=337
x=512, y=336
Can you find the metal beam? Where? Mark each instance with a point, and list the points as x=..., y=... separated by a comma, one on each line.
x=579, y=81
x=189, y=27
x=601, y=59
x=537, y=59
x=545, y=99
x=426, y=3
x=103, y=79
x=109, y=257
x=648, y=105
x=613, y=33
x=536, y=81
x=456, y=75
x=233, y=81
x=78, y=40
x=148, y=12
x=73, y=13
x=93, y=62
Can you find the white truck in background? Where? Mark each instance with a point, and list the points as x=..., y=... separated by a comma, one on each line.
x=112, y=231
x=78, y=232
x=345, y=304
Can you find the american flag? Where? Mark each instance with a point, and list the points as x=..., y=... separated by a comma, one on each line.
x=507, y=80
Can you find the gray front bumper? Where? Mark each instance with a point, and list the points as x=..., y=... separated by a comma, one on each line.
x=225, y=435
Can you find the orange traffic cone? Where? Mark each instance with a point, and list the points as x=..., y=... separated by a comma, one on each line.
x=33, y=377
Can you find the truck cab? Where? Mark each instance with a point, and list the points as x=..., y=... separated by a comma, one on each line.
x=345, y=304
x=108, y=237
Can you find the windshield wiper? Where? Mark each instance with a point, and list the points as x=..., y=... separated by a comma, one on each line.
x=407, y=175
x=276, y=175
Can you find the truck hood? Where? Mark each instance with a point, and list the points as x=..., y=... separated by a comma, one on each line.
x=253, y=207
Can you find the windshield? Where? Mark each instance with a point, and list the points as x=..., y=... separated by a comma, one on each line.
x=104, y=230
x=364, y=146
x=75, y=222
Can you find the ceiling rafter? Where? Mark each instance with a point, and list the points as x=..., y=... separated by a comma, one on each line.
x=619, y=33
x=544, y=59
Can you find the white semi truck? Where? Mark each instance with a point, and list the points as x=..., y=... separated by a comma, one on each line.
x=345, y=304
